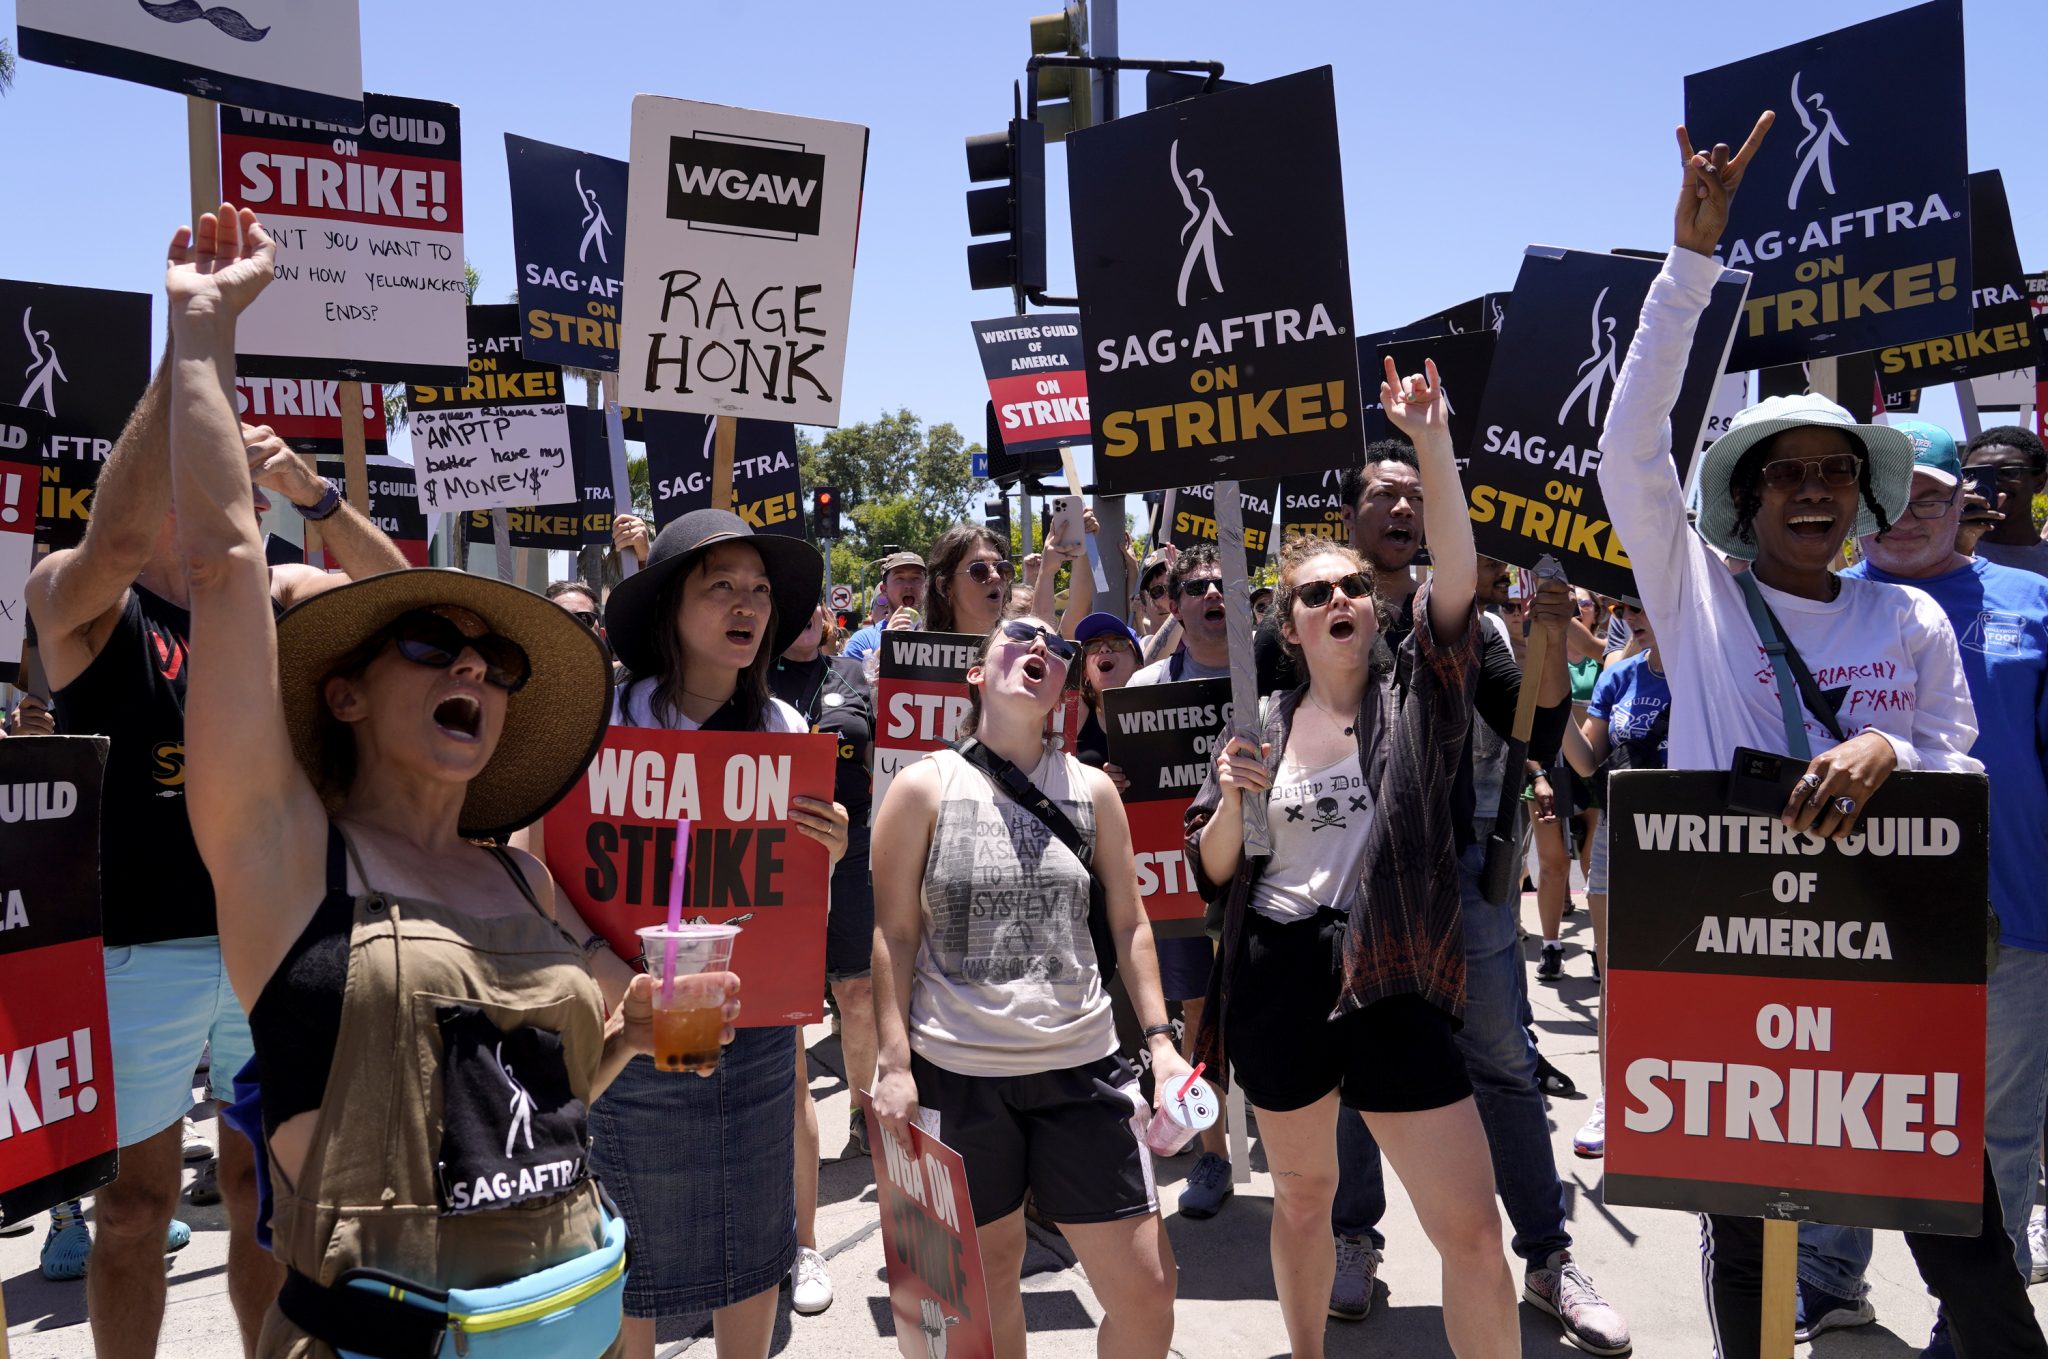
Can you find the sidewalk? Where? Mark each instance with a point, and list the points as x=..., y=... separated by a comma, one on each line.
x=1646, y=1262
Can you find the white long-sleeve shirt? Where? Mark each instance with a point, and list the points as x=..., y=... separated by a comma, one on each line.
x=1884, y=653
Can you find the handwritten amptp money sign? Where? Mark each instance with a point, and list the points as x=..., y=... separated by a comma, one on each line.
x=502, y=437
x=611, y=845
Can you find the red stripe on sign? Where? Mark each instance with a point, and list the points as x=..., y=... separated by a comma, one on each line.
x=20, y=482
x=1042, y=405
x=1847, y=1087
x=1165, y=879
x=56, y=1075
x=295, y=179
x=918, y=714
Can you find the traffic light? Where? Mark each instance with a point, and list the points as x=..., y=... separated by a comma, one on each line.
x=996, y=514
x=825, y=513
x=1016, y=208
x=1065, y=94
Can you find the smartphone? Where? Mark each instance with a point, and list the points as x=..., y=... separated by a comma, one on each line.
x=1761, y=783
x=1983, y=481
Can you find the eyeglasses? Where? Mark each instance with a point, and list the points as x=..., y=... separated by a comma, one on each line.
x=1317, y=593
x=429, y=639
x=1017, y=630
x=982, y=572
x=1930, y=508
x=1200, y=586
x=1789, y=474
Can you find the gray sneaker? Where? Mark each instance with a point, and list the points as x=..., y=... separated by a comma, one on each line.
x=1207, y=1187
x=1562, y=1289
x=1358, y=1266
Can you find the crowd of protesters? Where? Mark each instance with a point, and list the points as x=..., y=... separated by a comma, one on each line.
x=351, y=867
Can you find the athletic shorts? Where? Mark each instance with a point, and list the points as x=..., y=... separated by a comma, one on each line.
x=1068, y=1136
x=165, y=1003
x=1184, y=963
x=1596, y=868
x=1397, y=1055
x=850, y=925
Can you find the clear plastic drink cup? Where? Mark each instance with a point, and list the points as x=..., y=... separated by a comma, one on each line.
x=686, y=1027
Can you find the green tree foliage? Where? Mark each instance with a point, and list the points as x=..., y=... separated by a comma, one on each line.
x=903, y=482
x=6, y=66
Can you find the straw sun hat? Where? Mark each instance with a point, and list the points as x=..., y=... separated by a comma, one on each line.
x=554, y=723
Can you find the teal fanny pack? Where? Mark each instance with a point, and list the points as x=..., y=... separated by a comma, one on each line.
x=568, y=1311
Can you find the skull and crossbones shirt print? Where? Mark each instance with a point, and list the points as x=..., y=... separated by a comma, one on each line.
x=1319, y=819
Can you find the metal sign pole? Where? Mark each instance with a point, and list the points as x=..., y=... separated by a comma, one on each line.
x=1244, y=682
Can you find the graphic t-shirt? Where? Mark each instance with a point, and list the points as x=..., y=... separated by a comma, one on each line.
x=1006, y=981
x=1177, y=667
x=1629, y=697
x=1884, y=654
x=1319, y=820
x=2000, y=617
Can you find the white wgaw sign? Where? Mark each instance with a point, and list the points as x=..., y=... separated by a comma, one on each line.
x=740, y=233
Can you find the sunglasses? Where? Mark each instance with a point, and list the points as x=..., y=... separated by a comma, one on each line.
x=1623, y=607
x=983, y=572
x=588, y=619
x=2007, y=471
x=1200, y=586
x=428, y=639
x=1106, y=644
x=1317, y=593
x=1017, y=630
x=1789, y=474
x=1155, y=592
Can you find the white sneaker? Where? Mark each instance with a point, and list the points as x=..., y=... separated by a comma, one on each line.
x=197, y=1148
x=2037, y=1246
x=1591, y=1139
x=810, y=1283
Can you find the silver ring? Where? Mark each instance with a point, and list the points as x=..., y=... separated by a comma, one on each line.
x=1810, y=781
x=1846, y=806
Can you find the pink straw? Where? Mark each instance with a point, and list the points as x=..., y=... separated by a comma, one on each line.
x=1193, y=1076
x=679, y=875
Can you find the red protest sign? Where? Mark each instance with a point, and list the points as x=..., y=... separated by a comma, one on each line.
x=57, y=1131
x=921, y=695
x=1795, y=1026
x=611, y=846
x=937, y=1292
x=1162, y=738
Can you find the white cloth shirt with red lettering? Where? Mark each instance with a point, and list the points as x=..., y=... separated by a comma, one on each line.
x=1884, y=653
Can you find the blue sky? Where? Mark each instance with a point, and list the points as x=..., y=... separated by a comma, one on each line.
x=1469, y=131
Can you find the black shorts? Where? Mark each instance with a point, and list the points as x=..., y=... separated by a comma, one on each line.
x=850, y=926
x=1395, y=1056
x=1066, y=1135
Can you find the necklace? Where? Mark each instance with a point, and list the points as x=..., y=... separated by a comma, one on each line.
x=1349, y=727
x=708, y=698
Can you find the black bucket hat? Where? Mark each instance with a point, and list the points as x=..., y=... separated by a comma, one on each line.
x=796, y=575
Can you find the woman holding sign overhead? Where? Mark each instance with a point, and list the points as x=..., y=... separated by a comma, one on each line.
x=991, y=959
x=427, y=1037
x=704, y=1169
x=1341, y=977
x=1782, y=489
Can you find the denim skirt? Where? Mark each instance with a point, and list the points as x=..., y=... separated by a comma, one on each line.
x=703, y=1168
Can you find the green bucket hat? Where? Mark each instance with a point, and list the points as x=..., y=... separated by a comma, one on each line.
x=1889, y=450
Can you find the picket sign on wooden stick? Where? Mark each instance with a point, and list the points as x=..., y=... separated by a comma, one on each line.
x=1244, y=678
x=354, y=465
x=1966, y=406
x=622, y=485
x=501, y=544
x=725, y=437
x=1095, y=567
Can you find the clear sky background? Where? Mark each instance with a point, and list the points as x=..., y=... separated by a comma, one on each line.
x=1469, y=131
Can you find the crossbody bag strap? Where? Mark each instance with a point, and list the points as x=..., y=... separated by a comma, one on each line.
x=1024, y=793
x=1794, y=680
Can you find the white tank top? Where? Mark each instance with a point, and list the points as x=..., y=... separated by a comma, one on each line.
x=1006, y=982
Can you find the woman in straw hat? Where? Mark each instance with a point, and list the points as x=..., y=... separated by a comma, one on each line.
x=1781, y=490
x=428, y=1038
x=705, y=1169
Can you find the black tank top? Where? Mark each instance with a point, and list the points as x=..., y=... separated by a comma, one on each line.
x=153, y=885
x=296, y=1021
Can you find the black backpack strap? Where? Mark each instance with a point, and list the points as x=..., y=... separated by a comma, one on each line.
x=1024, y=793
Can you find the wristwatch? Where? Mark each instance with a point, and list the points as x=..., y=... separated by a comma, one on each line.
x=326, y=505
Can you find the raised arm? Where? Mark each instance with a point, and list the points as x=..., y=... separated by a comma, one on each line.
x=357, y=546
x=72, y=590
x=257, y=820
x=1417, y=408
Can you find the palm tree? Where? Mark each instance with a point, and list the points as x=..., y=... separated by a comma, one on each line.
x=6, y=66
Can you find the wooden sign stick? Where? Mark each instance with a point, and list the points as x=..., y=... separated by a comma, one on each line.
x=724, y=439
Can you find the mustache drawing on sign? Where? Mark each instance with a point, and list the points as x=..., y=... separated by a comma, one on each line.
x=1199, y=235
x=228, y=21
x=1814, y=147
x=1604, y=364
x=595, y=227
x=43, y=369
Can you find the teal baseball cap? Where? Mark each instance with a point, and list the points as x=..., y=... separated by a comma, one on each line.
x=1934, y=451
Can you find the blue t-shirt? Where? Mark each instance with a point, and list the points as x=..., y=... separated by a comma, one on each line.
x=1628, y=697
x=861, y=643
x=2001, y=620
